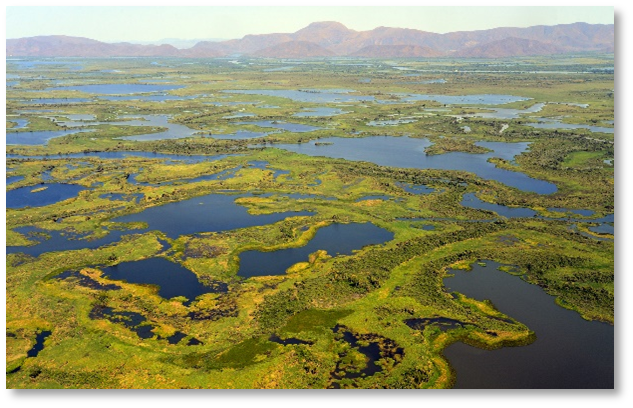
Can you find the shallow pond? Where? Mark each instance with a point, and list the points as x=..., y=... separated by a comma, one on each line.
x=322, y=96
x=116, y=89
x=557, y=124
x=472, y=201
x=63, y=241
x=39, y=343
x=173, y=279
x=148, y=98
x=409, y=153
x=569, y=352
x=505, y=113
x=336, y=239
x=53, y=193
x=174, y=130
x=38, y=137
x=479, y=99
x=14, y=179
x=415, y=188
x=604, y=229
x=19, y=123
x=21, y=64
x=209, y=213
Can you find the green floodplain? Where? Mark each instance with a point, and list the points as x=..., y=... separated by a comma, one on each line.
x=330, y=321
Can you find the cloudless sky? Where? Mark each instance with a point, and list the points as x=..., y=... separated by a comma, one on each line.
x=112, y=24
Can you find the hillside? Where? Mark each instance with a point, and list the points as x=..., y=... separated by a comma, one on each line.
x=330, y=38
x=294, y=49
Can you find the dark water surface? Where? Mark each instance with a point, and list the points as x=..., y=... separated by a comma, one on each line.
x=569, y=352
x=409, y=153
x=39, y=343
x=55, y=192
x=116, y=89
x=335, y=239
x=173, y=279
x=39, y=137
x=63, y=241
x=320, y=96
x=209, y=213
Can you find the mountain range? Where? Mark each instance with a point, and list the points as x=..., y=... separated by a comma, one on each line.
x=330, y=39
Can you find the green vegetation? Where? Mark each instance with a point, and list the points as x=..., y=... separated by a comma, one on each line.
x=369, y=294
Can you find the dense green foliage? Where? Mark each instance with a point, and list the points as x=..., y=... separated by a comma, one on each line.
x=317, y=304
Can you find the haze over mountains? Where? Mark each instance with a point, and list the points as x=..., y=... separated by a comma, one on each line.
x=329, y=39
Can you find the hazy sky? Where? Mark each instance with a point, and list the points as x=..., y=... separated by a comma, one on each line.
x=152, y=23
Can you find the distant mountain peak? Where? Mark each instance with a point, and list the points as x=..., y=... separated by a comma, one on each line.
x=328, y=38
x=325, y=25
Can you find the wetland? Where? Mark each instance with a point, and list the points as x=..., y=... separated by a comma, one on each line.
x=345, y=223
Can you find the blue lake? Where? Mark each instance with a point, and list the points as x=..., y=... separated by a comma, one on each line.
x=148, y=98
x=171, y=278
x=569, y=352
x=604, y=229
x=209, y=213
x=336, y=239
x=471, y=201
x=415, y=188
x=408, y=152
x=606, y=223
x=322, y=96
x=505, y=113
x=55, y=192
x=32, y=64
x=174, y=130
x=116, y=89
x=63, y=241
x=556, y=124
x=14, y=179
x=38, y=137
x=19, y=123
x=584, y=213
x=479, y=99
